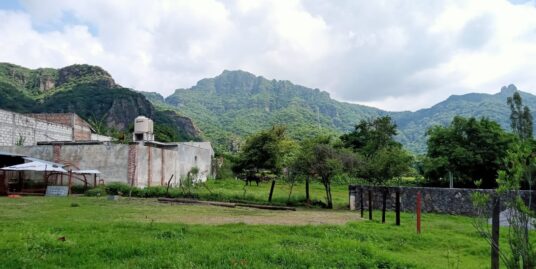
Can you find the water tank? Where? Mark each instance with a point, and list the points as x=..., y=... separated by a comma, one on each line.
x=143, y=124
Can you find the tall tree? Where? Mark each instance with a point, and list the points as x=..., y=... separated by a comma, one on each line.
x=520, y=116
x=320, y=157
x=382, y=158
x=470, y=149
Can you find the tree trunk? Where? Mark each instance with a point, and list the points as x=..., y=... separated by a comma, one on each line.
x=327, y=187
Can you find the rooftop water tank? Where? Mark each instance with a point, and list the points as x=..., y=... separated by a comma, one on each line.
x=143, y=124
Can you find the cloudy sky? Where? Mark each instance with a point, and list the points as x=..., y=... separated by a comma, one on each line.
x=396, y=55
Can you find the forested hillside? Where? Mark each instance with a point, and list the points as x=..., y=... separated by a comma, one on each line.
x=237, y=103
x=228, y=107
x=90, y=92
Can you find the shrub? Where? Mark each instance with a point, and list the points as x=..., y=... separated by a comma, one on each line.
x=117, y=188
x=98, y=191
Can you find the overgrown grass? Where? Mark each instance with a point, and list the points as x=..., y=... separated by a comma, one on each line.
x=139, y=234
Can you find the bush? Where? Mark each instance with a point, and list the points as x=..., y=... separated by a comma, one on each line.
x=118, y=188
x=98, y=191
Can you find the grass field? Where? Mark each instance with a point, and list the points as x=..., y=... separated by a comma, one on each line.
x=141, y=233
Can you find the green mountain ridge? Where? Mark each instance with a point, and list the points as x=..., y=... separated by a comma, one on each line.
x=230, y=106
x=237, y=103
x=90, y=92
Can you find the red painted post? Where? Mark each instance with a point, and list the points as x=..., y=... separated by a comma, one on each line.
x=419, y=212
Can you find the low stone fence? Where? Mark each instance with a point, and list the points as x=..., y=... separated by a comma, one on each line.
x=437, y=200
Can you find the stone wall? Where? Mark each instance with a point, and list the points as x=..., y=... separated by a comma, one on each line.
x=20, y=129
x=437, y=200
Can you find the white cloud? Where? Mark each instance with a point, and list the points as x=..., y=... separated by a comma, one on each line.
x=392, y=54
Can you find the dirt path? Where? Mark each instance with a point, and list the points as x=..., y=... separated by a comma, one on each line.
x=204, y=214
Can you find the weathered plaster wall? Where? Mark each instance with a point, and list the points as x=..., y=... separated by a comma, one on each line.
x=193, y=154
x=144, y=165
x=438, y=200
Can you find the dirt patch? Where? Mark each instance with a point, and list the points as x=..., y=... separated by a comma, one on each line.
x=202, y=214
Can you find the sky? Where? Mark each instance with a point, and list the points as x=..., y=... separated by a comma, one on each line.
x=395, y=55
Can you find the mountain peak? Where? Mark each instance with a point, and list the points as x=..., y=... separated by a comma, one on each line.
x=508, y=90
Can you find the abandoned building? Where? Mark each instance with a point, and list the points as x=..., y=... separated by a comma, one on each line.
x=141, y=163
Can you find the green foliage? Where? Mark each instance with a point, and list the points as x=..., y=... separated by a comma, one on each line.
x=520, y=116
x=263, y=150
x=471, y=149
x=380, y=157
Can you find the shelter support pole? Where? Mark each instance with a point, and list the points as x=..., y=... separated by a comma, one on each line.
x=384, y=204
x=70, y=180
x=95, y=180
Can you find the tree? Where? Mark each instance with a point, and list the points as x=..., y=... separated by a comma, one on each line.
x=262, y=150
x=470, y=149
x=382, y=158
x=369, y=136
x=520, y=116
x=320, y=157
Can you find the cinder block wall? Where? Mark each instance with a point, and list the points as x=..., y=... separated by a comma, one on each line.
x=16, y=128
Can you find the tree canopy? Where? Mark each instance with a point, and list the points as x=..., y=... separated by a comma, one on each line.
x=471, y=149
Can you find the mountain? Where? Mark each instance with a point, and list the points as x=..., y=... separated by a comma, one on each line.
x=236, y=103
x=413, y=125
x=90, y=92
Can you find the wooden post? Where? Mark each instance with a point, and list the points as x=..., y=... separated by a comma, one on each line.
x=94, y=180
x=418, y=212
x=495, y=221
x=370, y=205
x=61, y=180
x=271, y=191
x=384, y=204
x=397, y=209
x=361, y=202
x=70, y=180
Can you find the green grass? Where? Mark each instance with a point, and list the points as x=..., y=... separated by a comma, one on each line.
x=234, y=190
x=141, y=233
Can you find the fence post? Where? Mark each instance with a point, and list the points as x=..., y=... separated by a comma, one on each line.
x=384, y=203
x=397, y=205
x=370, y=204
x=362, y=207
x=419, y=212
x=271, y=191
x=495, y=221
